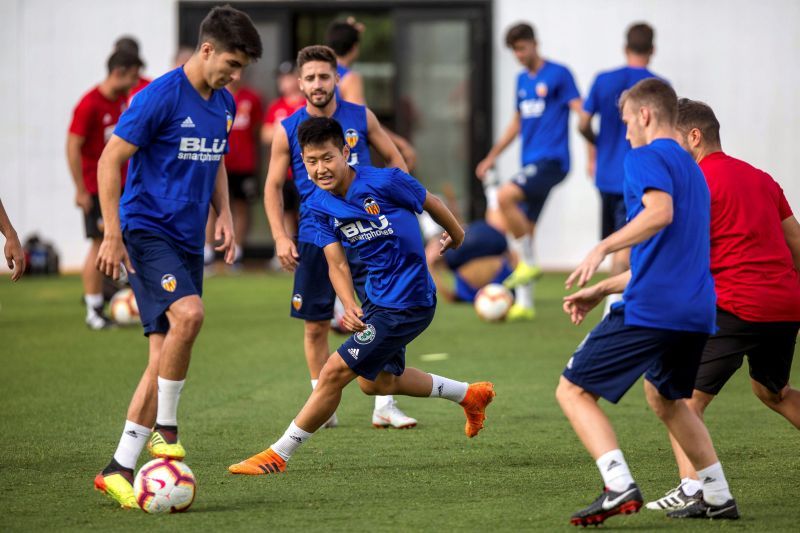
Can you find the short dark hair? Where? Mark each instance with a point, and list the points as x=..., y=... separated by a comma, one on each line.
x=316, y=131
x=231, y=30
x=640, y=38
x=519, y=32
x=123, y=59
x=127, y=43
x=656, y=94
x=342, y=37
x=316, y=52
x=693, y=114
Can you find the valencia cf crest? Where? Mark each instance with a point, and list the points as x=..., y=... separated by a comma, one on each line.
x=297, y=301
x=169, y=283
x=541, y=89
x=351, y=136
x=229, y=121
x=371, y=206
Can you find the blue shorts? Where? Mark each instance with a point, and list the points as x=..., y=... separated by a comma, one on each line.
x=466, y=292
x=613, y=356
x=614, y=213
x=480, y=240
x=165, y=273
x=536, y=180
x=382, y=346
x=313, y=295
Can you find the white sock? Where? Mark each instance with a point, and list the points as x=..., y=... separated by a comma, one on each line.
x=690, y=486
x=449, y=389
x=524, y=246
x=523, y=296
x=383, y=401
x=169, y=392
x=237, y=252
x=130, y=446
x=314, y=383
x=290, y=441
x=93, y=301
x=208, y=253
x=614, y=469
x=715, y=486
x=611, y=299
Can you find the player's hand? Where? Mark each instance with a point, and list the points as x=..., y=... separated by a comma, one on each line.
x=450, y=242
x=587, y=268
x=111, y=254
x=223, y=232
x=15, y=256
x=286, y=251
x=578, y=305
x=483, y=167
x=83, y=200
x=351, y=319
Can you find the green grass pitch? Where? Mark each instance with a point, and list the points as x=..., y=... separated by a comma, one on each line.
x=64, y=392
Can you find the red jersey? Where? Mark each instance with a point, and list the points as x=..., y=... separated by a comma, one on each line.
x=279, y=109
x=242, y=157
x=94, y=119
x=751, y=263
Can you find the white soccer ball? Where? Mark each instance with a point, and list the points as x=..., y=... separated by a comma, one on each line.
x=164, y=486
x=123, y=308
x=493, y=302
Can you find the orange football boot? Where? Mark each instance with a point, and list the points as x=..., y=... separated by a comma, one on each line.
x=479, y=395
x=266, y=462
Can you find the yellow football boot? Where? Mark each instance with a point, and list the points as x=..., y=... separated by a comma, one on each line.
x=522, y=275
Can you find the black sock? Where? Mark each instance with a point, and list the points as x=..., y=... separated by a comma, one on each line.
x=115, y=468
x=170, y=433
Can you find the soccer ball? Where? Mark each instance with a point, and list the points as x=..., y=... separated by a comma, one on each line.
x=493, y=302
x=164, y=486
x=123, y=308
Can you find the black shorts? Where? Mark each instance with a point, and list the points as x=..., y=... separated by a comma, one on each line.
x=614, y=214
x=291, y=198
x=243, y=186
x=769, y=347
x=93, y=220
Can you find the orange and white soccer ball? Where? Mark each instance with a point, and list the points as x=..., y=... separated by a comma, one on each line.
x=123, y=308
x=164, y=486
x=493, y=302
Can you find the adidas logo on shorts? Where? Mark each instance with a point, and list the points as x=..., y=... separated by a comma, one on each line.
x=353, y=352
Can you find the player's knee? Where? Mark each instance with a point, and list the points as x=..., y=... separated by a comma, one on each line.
x=317, y=331
x=769, y=398
x=381, y=386
x=508, y=196
x=188, y=318
x=370, y=388
x=567, y=392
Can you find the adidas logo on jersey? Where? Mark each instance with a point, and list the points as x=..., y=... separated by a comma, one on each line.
x=353, y=352
x=188, y=123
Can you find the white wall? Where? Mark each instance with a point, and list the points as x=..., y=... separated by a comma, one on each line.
x=739, y=56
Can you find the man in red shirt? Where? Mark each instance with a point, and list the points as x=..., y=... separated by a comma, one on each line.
x=127, y=43
x=755, y=258
x=92, y=124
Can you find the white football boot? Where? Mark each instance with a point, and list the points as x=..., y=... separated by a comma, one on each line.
x=391, y=416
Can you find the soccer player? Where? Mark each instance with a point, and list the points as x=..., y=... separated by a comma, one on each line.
x=131, y=45
x=93, y=121
x=15, y=256
x=608, y=146
x=373, y=211
x=175, y=134
x=755, y=258
x=313, y=295
x=344, y=39
x=666, y=314
x=545, y=94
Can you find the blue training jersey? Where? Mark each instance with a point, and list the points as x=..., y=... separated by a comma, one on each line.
x=181, y=139
x=377, y=218
x=671, y=285
x=543, y=105
x=612, y=146
x=353, y=119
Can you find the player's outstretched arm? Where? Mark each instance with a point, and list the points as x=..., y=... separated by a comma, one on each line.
x=109, y=182
x=656, y=215
x=380, y=140
x=15, y=256
x=223, y=227
x=791, y=232
x=512, y=130
x=453, y=234
x=342, y=281
x=578, y=305
x=279, y=161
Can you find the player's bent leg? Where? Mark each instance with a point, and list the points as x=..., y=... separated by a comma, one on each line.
x=387, y=414
x=785, y=402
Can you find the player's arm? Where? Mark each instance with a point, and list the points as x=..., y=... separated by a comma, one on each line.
x=15, y=256
x=453, y=234
x=656, y=215
x=791, y=232
x=342, y=281
x=511, y=132
x=109, y=181
x=578, y=305
x=585, y=126
x=435, y=266
x=74, y=144
x=380, y=140
x=223, y=227
x=279, y=162
x=351, y=88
